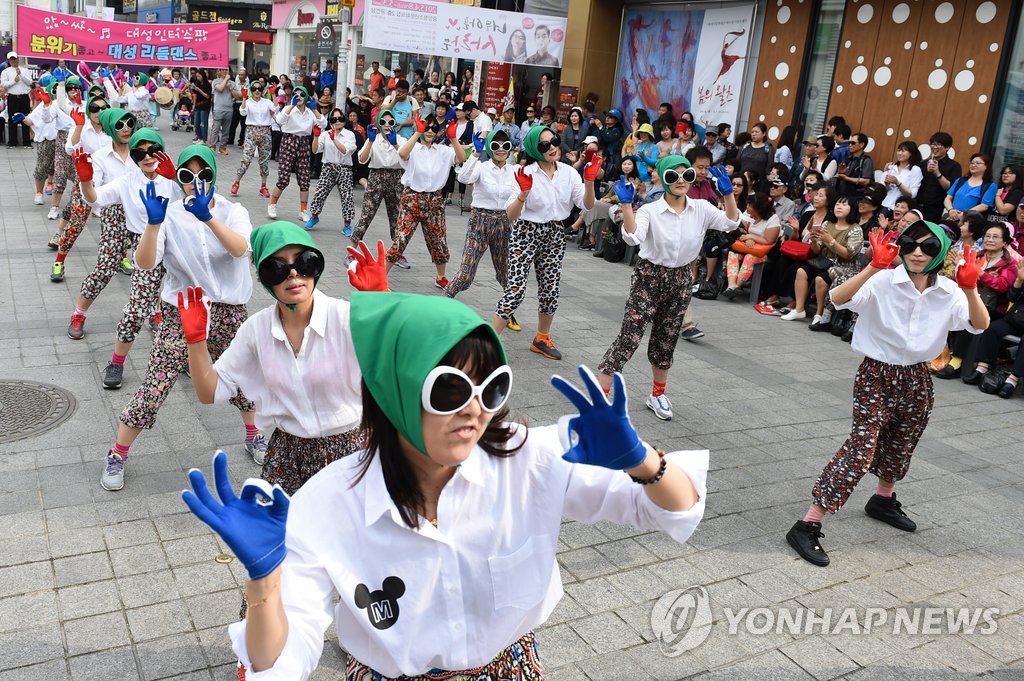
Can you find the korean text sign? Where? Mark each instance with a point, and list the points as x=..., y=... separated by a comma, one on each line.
x=50, y=35
x=465, y=32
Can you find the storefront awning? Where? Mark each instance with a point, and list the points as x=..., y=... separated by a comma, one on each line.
x=257, y=37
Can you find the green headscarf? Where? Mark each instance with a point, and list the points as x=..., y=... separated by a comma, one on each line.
x=381, y=113
x=203, y=153
x=73, y=80
x=531, y=141
x=268, y=239
x=940, y=259
x=666, y=163
x=487, y=144
x=145, y=135
x=110, y=116
x=143, y=78
x=303, y=88
x=399, y=338
x=52, y=88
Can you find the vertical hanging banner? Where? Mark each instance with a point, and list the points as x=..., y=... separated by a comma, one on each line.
x=693, y=59
x=51, y=35
x=449, y=30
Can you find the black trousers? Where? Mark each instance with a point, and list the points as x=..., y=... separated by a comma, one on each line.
x=18, y=104
x=992, y=340
x=275, y=143
x=237, y=119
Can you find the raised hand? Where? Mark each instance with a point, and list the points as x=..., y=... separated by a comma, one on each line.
x=392, y=136
x=721, y=176
x=371, y=132
x=604, y=434
x=968, y=273
x=156, y=206
x=367, y=274
x=591, y=170
x=296, y=99
x=83, y=165
x=199, y=203
x=331, y=133
x=421, y=125
x=625, y=190
x=317, y=130
x=245, y=93
x=253, y=529
x=43, y=96
x=883, y=249
x=452, y=130
x=524, y=181
x=478, y=143
x=165, y=166
x=78, y=117
x=194, y=311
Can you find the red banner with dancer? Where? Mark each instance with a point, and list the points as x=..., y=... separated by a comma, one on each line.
x=45, y=35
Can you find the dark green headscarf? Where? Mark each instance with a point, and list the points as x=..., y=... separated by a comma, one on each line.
x=531, y=141
x=145, y=135
x=399, y=338
x=487, y=144
x=666, y=163
x=111, y=116
x=381, y=113
x=268, y=239
x=303, y=88
x=143, y=78
x=203, y=153
x=938, y=261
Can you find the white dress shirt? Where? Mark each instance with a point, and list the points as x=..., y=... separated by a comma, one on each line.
x=427, y=168
x=47, y=120
x=672, y=239
x=15, y=84
x=90, y=140
x=300, y=121
x=107, y=166
x=473, y=585
x=330, y=150
x=137, y=99
x=491, y=185
x=910, y=177
x=897, y=324
x=125, y=190
x=383, y=154
x=259, y=112
x=314, y=393
x=482, y=125
x=550, y=199
x=194, y=256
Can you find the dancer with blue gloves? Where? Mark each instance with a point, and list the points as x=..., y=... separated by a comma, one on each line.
x=384, y=181
x=669, y=232
x=456, y=506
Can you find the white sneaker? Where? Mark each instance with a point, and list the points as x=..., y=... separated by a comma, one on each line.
x=792, y=315
x=38, y=200
x=271, y=210
x=303, y=216
x=113, y=473
x=661, y=406
x=53, y=214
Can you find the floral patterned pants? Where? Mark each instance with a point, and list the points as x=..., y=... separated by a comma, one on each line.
x=63, y=166
x=382, y=184
x=741, y=266
x=169, y=358
x=44, y=159
x=334, y=175
x=293, y=157
x=541, y=244
x=659, y=296
x=421, y=208
x=76, y=214
x=257, y=141
x=488, y=230
x=891, y=406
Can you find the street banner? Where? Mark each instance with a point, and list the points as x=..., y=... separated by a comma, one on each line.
x=448, y=30
x=693, y=59
x=45, y=35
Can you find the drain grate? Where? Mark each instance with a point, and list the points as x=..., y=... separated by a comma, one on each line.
x=28, y=409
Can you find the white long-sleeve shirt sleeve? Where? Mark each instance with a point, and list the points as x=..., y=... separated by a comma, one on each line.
x=470, y=171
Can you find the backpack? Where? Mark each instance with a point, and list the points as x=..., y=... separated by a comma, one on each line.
x=984, y=189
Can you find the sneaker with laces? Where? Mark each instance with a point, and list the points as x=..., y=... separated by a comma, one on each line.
x=234, y=189
x=264, y=192
x=113, y=473
x=889, y=511
x=257, y=449
x=347, y=229
x=271, y=210
x=311, y=222
x=803, y=537
x=513, y=325
x=793, y=315
x=441, y=283
x=691, y=334
x=38, y=200
x=57, y=273
x=403, y=263
x=661, y=406
x=544, y=346
x=304, y=216
x=126, y=267
x=53, y=213
x=112, y=376
x=54, y=242
x=76, y=329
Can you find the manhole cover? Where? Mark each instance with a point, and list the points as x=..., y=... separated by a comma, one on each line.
x=28, y=409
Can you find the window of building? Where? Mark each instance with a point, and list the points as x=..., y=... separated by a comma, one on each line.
x=821, y=64
x=1008, y=137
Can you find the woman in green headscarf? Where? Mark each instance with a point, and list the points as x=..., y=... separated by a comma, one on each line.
x=136, y=97
x=384, y=181
x=69, y=99
x=433, y=551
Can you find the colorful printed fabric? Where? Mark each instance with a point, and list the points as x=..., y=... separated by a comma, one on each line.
x=293, y=157
x=542, y=245
x=258, y=140
x=421, y=208
x=334, y=175
x=76, y=215
x=44, y=159
x=487, y=230
x=115, y=241
x=63, y=166
x=382, y=184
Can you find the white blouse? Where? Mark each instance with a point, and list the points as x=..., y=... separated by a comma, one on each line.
x=90, y=140
x=427, y=168
x=550, y=198
x=299, y=121
x=910, y=177
x=330, y=150
x=125, y=190
x=383, y=154
x=491, y=185
x=258, y=113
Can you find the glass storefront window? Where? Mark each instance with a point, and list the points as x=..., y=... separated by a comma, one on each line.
x=1008, y=140
x=821, y=65
x=302, y=55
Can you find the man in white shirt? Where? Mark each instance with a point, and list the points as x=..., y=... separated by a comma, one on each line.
x=669, y=232
x=482, y=123
x=18, y=83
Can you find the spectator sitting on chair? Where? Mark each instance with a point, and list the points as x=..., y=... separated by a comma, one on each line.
x=760, y=232
x=991, y=339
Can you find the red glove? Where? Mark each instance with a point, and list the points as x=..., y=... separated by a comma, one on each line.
x=883, y=250
x=194, y=315
x=245, y=93
x=83, y=165
x=77, y=98
x=42, y=96
x=273, y=88
x=591, y=170
x=588, y=154
x=967, y=274
x=452, y=130
x=78, y=117
x=524, y=181
x=331, y=133
x=165, y=166
x=367, y=274
x=317, y=130
x=421, y=125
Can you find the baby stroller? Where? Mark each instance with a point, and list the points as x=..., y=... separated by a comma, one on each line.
x=183, y=113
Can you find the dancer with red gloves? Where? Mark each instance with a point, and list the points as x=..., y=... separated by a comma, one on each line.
x=445, y=466
x=146, y=149
x=384, y=180
x=47, y=121
x=259, y=112
x=904, y=317
x=203, y=240
x=296, y=121
x=427, y=166
x=546, y=193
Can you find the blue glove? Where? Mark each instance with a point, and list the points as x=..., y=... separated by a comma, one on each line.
x=199, y=203
x=605, y=436
x=371, y=132
x=624, y=190
x=295, y=100
x=17, y=118
x=722, y=177
x=254, y=531
x=478, y=143
x=156, y=206
x=392, y=136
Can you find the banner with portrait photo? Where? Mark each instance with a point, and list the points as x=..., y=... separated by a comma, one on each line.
x=693, y=59
x=464, y=32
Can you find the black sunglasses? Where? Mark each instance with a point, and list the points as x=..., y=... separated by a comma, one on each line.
x=126, y=122
x=434, y=127
x=544, y=147
x=70, y=88
x=689, y=176
x=139, y=154
x=308, y=263
x=186, y=176
x=337, y=119
x=908, y=244
x=96, y=108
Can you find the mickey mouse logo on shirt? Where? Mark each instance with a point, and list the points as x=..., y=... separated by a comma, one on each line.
x=382, y=605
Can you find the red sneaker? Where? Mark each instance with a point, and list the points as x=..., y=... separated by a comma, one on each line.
x=234, y=189
x=264, y=192
x=441, y=283
x=76, y=329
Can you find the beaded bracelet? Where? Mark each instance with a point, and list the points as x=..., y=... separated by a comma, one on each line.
x=658, y=476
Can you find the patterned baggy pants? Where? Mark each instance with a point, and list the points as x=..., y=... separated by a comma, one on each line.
x=382, y=184
x=63, y=166
x=659, y=296
x=44, y=159
x=487, y=230
x=293, y=157
x=891, y=407
x=334, y=175
x=421, y=208
x=257, y=141
x=76, y=214
x=537, y=244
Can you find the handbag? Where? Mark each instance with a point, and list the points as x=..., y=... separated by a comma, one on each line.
x=796, y=250
x=819, y=263
x=757, y=250
x=993, y=380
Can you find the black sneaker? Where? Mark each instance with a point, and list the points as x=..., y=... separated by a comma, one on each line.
x=112, y=376
x=544, y=346
x=973, y=378
x=888, y=510
x=803, y=537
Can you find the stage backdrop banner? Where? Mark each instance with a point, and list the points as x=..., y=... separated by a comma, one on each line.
x=466, y=32
x=51, y=35
x=693, y=59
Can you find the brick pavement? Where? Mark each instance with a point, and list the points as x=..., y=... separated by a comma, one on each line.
x=101, y=585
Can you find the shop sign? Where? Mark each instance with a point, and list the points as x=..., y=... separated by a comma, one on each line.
x=326, y=39
x=306, y=17
x=237, y=18
x=497, y=77
x=567, y=97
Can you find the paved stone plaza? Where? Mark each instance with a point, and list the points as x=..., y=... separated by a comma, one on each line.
x=98, y=585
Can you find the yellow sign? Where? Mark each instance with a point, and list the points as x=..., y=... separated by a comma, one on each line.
x=348, y=3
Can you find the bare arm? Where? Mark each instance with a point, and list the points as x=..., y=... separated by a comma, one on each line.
x=977, y=310
x=628, y=221
x=200, y=368
x=460, y=151
x=516, y=209
x=674, y=492
x=364, y=153
x=731, y=210
x=266, y=625
x=589, y=198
